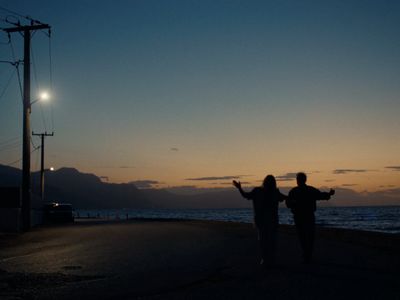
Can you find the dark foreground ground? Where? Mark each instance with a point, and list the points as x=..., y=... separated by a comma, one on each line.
x=142, y=259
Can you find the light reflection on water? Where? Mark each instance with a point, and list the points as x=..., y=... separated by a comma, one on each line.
x=381, y=218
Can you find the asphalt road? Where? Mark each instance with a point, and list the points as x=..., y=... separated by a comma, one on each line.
x=186, y=259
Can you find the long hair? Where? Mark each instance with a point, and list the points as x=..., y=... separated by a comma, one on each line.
x=269, y=183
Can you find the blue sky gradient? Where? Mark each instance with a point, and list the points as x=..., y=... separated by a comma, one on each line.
x=237, y=87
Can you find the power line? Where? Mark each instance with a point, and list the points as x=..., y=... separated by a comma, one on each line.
x=4, y=43
x=43, y=118
x=16, y=21
x=16, y=66
x=9, y=140
x=10, y=146
x=32, y=143
x=33, y=21
x=51, y=80
x=14, y=162
x=34, y=68
x=7, y=85
x=37, y=160
x=13, y=12
x=17, y=161
x=37, y=86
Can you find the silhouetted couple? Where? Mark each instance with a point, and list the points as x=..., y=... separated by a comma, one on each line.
x=302, y=202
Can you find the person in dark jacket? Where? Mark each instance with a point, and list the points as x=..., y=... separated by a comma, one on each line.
x=265, y=205
x=302, y=200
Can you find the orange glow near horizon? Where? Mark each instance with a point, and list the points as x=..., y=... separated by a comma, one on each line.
x=354, y=179
x=214, y=91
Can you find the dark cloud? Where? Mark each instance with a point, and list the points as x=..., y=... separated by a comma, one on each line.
x=194, y=190
x=183, y=189
x=230, y=183
x=394, y=168
x=330, y=180
x=216, y=178
x=346, y=171
x=392, y=192
x=145, y=184
x=115, y=167
x=349, y=184
x=286, y=177
x=174, y=149
x=348, y=197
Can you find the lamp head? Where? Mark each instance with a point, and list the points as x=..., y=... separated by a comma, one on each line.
x=43, y=96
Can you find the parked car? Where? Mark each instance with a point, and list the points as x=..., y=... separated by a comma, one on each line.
x=58, y=213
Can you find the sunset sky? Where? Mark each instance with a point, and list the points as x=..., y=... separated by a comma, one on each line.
x=188, y=92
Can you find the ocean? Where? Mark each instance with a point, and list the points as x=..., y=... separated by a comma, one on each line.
x=372, y=218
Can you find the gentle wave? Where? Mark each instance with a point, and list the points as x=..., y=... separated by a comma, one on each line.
x=381, y=219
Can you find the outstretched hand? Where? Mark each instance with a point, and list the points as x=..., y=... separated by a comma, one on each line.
x=332, y=192
x=237, y=184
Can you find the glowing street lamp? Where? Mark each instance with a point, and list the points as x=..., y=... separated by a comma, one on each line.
x=43, y=96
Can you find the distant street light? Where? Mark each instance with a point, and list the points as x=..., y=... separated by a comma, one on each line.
x=43, y=96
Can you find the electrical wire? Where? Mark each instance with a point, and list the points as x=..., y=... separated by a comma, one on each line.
x=11, y=146
x=13, y=163
x=37, y=160
x=35, y=76
x=7, y=85
x=43, y=118
x=34, y=68
x=14, y=13
x=51, y=80
x=17, y=67
x=9, y=140
x=36, y=168
x=4, y=43
x=17, y=161
x=32, y=143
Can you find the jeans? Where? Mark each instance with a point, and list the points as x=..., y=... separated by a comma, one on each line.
x=305, y=226
x=267, y=236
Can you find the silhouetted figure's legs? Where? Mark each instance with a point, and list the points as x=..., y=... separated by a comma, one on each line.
x=305, y=225
x=267, y=237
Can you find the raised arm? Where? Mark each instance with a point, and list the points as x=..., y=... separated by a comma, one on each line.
x=238, y=185
x=324, y=195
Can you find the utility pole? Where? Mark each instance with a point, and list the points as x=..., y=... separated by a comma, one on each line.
x=26, y=131
x=42, y=136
